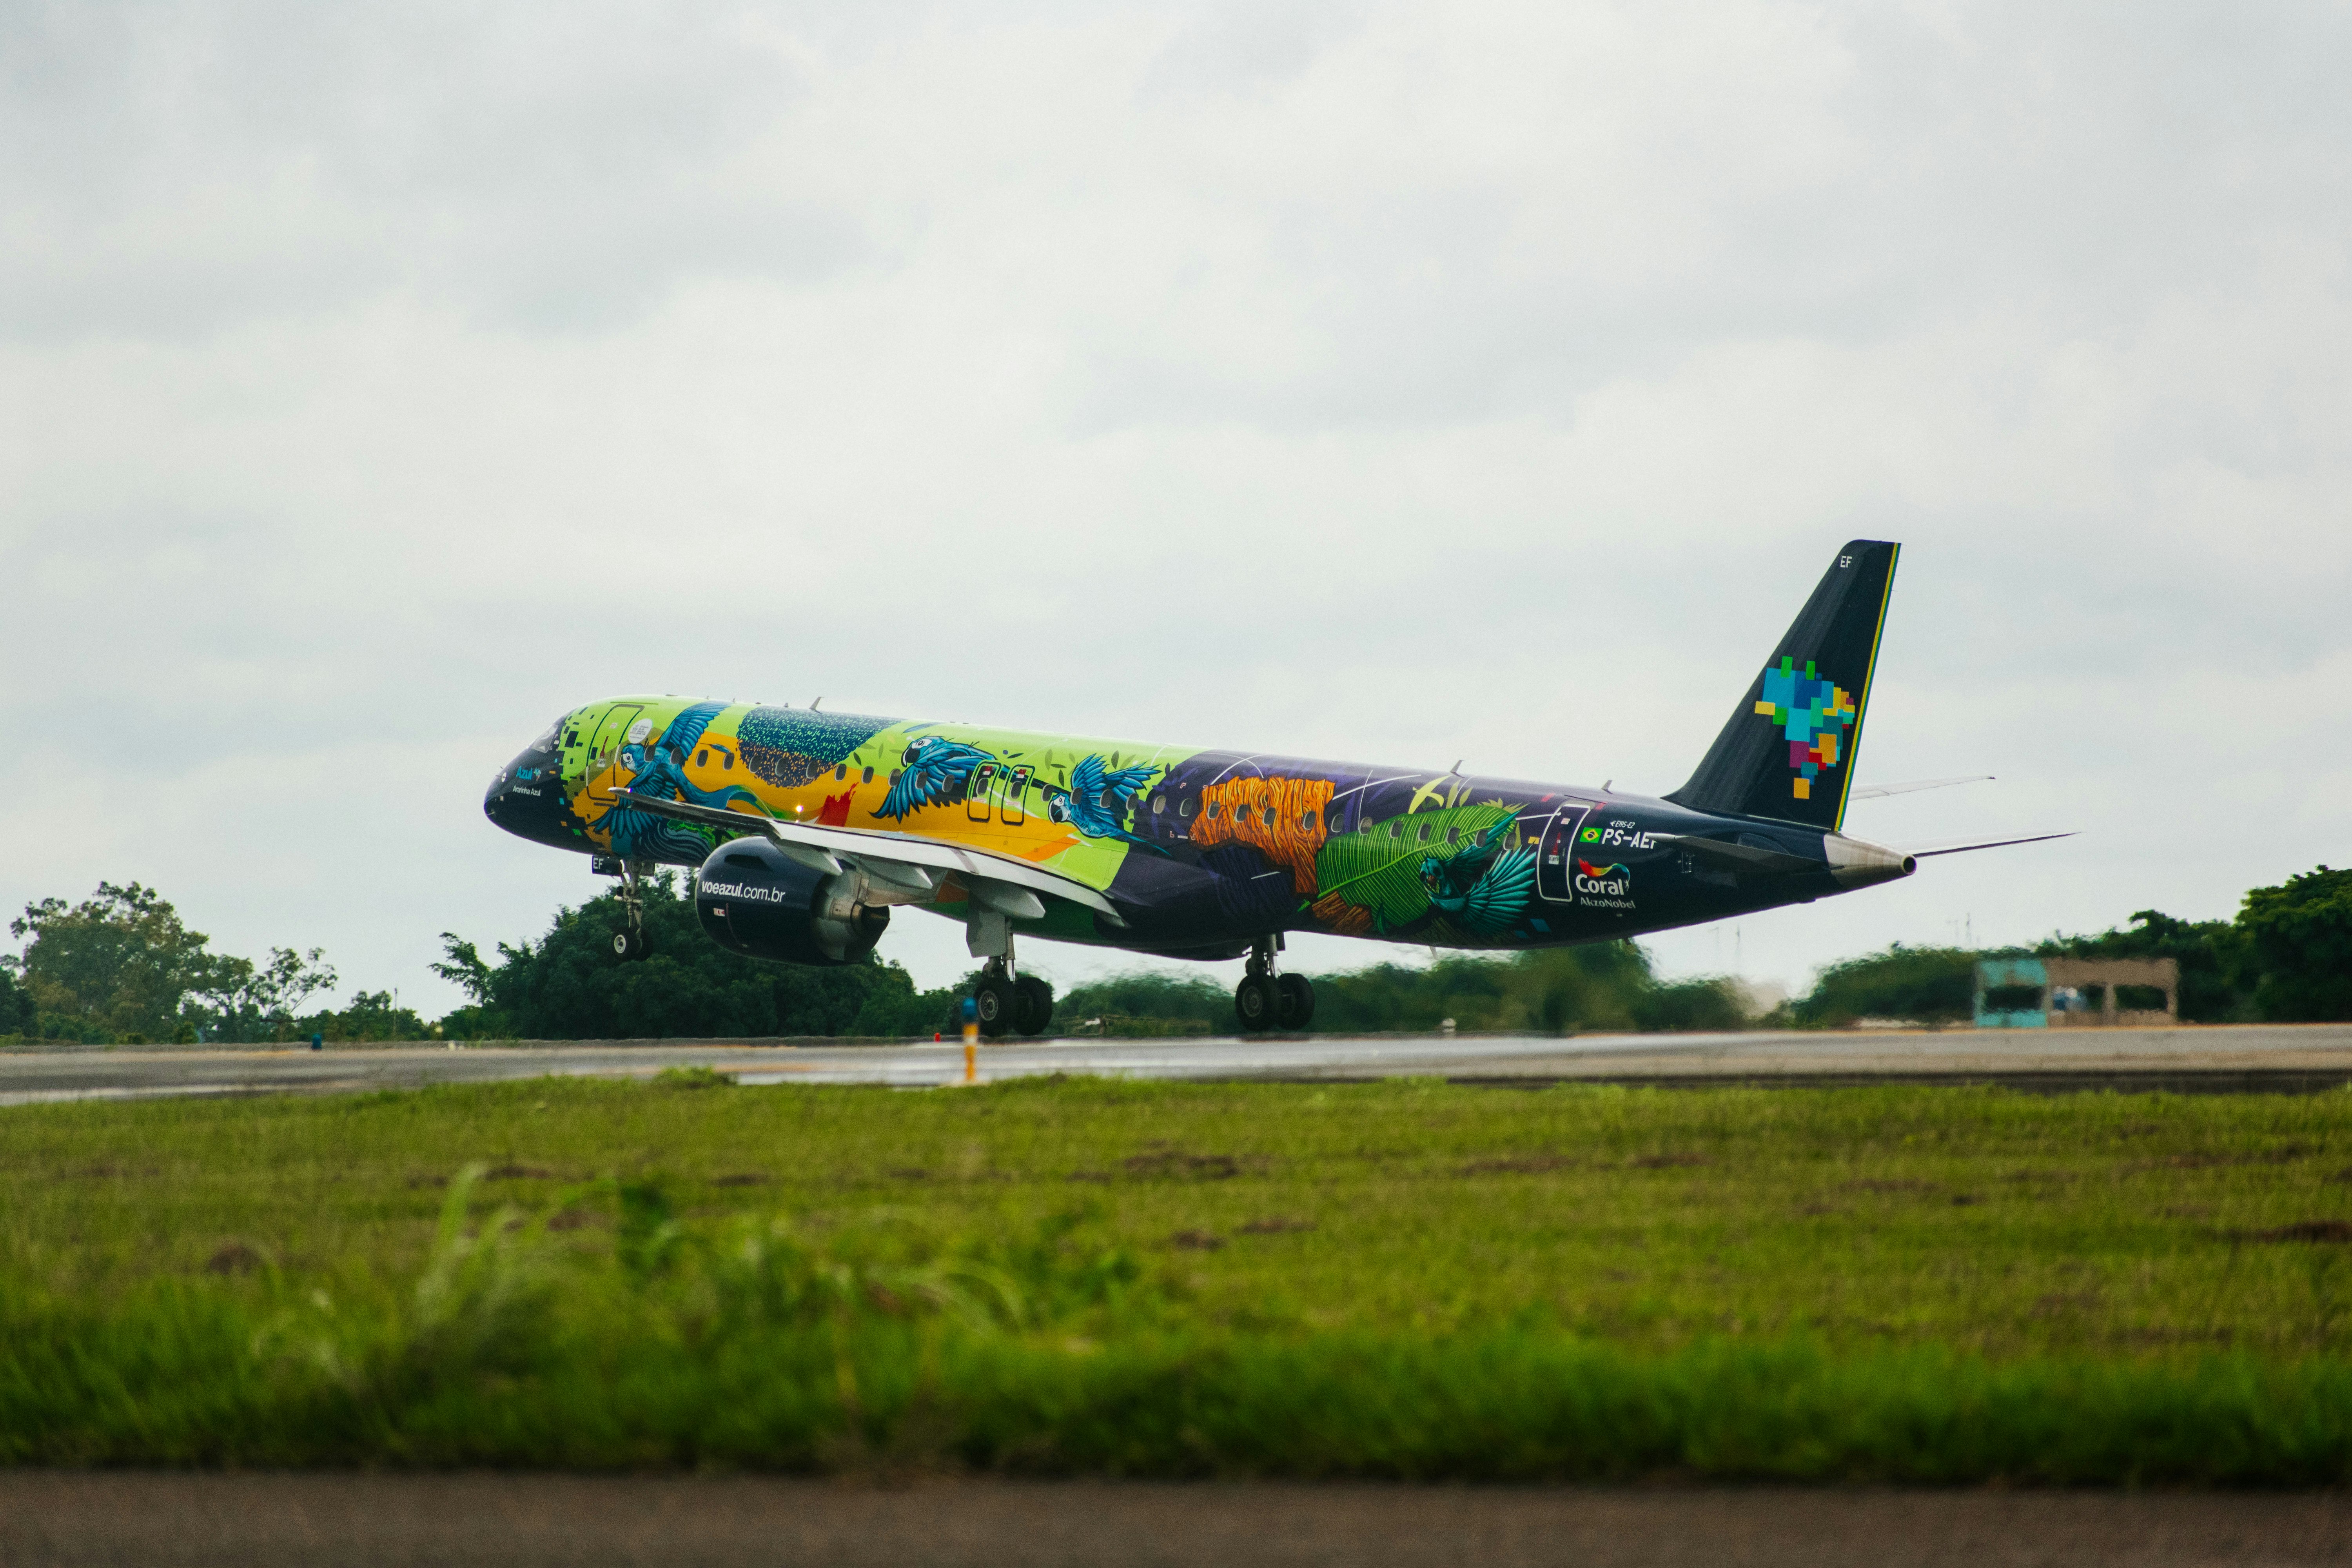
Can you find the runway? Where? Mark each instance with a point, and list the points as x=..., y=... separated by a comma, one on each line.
x=2275, y=1057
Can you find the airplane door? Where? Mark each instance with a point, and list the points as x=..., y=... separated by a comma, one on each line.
x=605, y=750
x=1016, y=800
x=976, y=802
x=1555, y=855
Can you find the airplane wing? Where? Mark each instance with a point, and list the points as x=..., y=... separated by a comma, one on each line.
x=909, y=862
x=1875, y=792
x=1962, y=845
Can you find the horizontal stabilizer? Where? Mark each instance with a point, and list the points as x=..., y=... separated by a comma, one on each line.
x=1878, y=792
x=1962, y=845
x=1738, y=856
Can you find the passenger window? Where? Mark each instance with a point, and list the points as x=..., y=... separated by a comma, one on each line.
x=1212, y=811
x=1453, y=836
x=1365, y=825
x=1422, y=837
x=868, y=778
x=1396, y=829
x=702, y=758
x=1159, y=805
x=841, y=772
x=1307, y=820
x=1184, y=807
x=1269, y=817
x=894, y=777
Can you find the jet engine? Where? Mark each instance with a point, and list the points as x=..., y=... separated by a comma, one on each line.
x=753, y=898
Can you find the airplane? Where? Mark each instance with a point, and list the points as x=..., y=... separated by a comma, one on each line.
x=808, y=828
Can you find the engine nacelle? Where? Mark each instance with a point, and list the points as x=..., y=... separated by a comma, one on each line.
x=755, y=898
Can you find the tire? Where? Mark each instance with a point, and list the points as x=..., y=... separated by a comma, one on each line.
x=1258, y=1003
x=1033, y=1005
x=997, y=1000
x=1297, y=1007
x=628, y=945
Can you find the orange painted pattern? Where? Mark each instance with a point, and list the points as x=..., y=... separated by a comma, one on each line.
x=1241, y=810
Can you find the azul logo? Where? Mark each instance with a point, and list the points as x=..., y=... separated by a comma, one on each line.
x=1813, y=714
x=742, y=890
x=1605, y=887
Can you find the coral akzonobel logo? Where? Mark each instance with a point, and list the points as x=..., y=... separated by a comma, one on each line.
x=1604, y=887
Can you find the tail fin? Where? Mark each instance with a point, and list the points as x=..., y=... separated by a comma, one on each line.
x=1789, y=749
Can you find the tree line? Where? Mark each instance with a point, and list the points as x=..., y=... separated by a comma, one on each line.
x=121, y=967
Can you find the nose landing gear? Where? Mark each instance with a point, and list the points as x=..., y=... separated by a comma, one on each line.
x=1266, y=1001
x=629, y=943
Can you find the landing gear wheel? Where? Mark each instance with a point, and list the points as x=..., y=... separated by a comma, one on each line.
x=1033, y=1005
x=628, y=944
x=995, y=998
x=1297, y=1008
x=1257, y=1002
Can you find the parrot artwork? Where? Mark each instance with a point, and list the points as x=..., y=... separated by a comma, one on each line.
x=659, y=767
x=929, y=771
x=1100, y=799
x=1483, y=889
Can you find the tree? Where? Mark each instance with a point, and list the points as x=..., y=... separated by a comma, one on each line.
x=1929, y=984
x=569, y=985
x=120, y=963
x=18, y=1015
x=2299, y=938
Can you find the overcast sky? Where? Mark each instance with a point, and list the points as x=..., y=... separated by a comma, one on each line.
x=1398, y=382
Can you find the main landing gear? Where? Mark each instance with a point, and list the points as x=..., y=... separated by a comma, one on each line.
x=630, y=942
x=1006, y=1001
x=1264, y=1001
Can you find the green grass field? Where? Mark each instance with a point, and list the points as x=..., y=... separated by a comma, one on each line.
x=1401, y=1278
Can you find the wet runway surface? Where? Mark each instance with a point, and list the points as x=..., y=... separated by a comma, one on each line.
x=2192, y=1060
x=123, y=1518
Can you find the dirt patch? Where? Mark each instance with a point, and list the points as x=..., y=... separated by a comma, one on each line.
x=1516, y=1162
x=234, y=1258
x=2286, y=1155
x=1176, y=1163
x=2324, y=1232
x=1276, y=1226
x=1196, y=1241
x=572, y=1219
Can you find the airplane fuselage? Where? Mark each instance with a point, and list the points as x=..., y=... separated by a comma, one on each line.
x=1198, y=853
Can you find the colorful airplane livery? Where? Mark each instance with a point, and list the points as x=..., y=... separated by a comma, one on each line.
x=808, y=828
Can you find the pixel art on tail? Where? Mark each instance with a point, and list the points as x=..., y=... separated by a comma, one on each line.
x=1812, y=713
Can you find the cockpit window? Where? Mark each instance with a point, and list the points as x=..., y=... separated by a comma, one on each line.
x=546, y=742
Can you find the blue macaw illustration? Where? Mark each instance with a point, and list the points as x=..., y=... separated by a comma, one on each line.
x=1099, y=799
x=1486, y=888
x=930, y=773
x=659, y=767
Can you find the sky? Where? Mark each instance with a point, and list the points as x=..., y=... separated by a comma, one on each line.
x=1383, y=381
